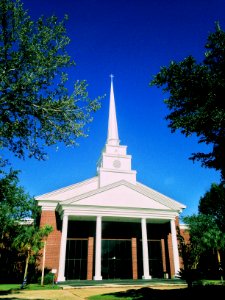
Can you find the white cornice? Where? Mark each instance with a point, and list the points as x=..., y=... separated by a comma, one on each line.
x=48, y=204
x=113, y=155
x=117, y=171
x=65, y=189
x=137, y=213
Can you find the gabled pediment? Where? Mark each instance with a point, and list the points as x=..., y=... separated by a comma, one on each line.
x=70, y=191
x=126, y=195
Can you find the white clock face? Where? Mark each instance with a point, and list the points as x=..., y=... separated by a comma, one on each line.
x=116, y=164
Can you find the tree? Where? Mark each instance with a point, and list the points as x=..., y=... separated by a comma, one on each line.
x=190, y=258
x=15, y=203
x=15, y=206
x=36, y=107
x=29, y=242
x=213, y=204
x=206, y=246
x=196, y=99
x=205, y=236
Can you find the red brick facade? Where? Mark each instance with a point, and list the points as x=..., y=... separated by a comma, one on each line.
x=163, y=255
x=53, y=240
x=134, y=258
x=90, y=258
x=171, y=259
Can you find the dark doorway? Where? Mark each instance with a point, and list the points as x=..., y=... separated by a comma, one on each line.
x=116, y=259
x=76, y=259
x=155, y=259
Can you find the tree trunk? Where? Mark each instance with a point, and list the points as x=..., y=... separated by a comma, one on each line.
x=43, y=265
x=26, y=266
x=219, y=264
x=218, y=257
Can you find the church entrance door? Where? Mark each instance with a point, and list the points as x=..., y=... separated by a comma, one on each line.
x=76, y=259
x=116, y=259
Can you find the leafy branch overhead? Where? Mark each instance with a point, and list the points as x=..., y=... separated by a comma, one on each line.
x=36, y=107
x=196, y=99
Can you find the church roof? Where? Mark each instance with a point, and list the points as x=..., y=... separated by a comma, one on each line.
x=120, y=194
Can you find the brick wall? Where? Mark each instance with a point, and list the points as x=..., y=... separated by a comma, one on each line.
x=163, y=255
x=171, y=258
x=186, y=236
x=53, y=240
x=90, y=258
x=134, y=258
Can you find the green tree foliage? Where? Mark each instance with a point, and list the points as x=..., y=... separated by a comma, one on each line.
x=36, y=107
x=196, y=99
x=15, y=206
x=206, y=248
x=190, y=259
x=213, y=204
x=205, y=238
x=29, y=242
x=205, y=234
x=15, y=203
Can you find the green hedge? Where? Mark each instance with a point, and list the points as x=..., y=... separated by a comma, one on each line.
x=48, y=278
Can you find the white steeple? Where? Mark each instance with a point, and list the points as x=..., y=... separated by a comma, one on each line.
x=114, y=164
x=113, y=136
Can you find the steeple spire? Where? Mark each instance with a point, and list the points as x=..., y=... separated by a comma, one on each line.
x=113, y=136
x=114, y=163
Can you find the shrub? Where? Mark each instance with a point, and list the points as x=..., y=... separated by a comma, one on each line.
x=48, y=278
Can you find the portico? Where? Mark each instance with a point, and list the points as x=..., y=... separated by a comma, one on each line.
x=111, y=225
x=138, y=218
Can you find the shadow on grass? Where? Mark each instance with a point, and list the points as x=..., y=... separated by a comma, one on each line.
x=15, y=291
x=8, y=292
x=12, y=291
x=198, y=292
x=15, y=298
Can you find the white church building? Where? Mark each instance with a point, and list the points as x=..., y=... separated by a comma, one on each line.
x=111, y=226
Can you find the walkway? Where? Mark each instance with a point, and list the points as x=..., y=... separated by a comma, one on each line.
x=81, y=290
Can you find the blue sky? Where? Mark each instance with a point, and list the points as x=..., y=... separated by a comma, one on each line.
x=131, y=39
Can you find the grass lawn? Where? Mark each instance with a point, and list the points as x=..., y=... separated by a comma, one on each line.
x=36, y=286
x=7, y=287
x=33, y=286
x=145, y=293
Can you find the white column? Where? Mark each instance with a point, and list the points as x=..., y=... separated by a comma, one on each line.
x=175, y=247
x=98, y=248
x=62, y=257
x=146, y=274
